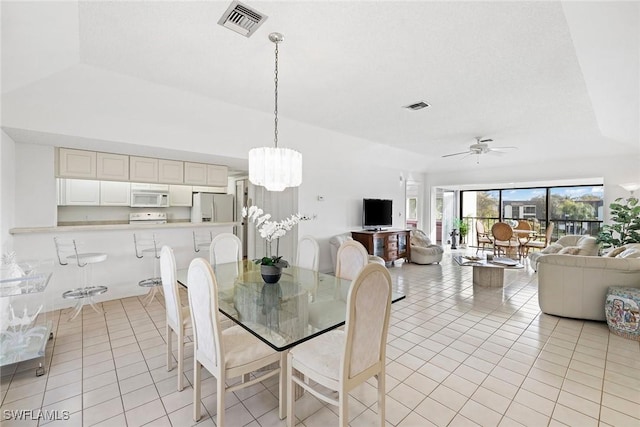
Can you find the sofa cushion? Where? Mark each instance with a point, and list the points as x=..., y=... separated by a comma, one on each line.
x=629, y=253
x=553, y=248
x=569, y=250
x=615, y=252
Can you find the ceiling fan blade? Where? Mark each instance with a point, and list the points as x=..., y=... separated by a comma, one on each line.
x=485, y=140
x=503, y=148
x=457, y=154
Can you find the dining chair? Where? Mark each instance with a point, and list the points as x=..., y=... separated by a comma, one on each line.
x=342, y=360
x=177, y=315
x=224, y=248
x=352, y=257
x=228, y=353
x=540, y=244
x=483, y=239
x=503, y=239
x=308, y=253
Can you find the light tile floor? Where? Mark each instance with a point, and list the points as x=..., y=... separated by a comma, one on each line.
x=457, y=356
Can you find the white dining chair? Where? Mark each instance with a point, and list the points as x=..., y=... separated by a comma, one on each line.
x=224, y=248
x=352, y=257
x=228, y=353
x=342, y=360
x=308, y=253
x=177, y=316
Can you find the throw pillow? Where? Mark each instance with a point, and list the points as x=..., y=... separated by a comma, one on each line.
x=569, y=250
x=553, y=248
x=629, y=253
x=616, y=251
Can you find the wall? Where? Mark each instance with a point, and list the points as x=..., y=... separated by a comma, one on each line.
x=7, y=191
x=35, y=197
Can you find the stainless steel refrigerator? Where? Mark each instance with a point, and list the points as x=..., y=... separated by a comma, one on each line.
x=215, y=207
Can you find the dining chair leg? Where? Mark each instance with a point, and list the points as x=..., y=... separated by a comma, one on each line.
x=343, y=408
x=291, y=420
x=220, y=385
x=168, y=334
x=282, y=387
x=196, y=389
x=181, y=360
x=381, y=397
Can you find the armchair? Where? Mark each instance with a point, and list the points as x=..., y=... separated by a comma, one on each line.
x=422, y=250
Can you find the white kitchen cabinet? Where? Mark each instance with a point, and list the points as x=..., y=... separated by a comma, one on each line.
x=81, y=192
x=143, y=169
x=113, y=193
x=204, y=174
x=76, y=163
x=217, y=175
x=195, y=173
x=112, y=167
x=180, y=195
x=170, y=171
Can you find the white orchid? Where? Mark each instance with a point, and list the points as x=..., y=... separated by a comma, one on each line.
x=270, y=230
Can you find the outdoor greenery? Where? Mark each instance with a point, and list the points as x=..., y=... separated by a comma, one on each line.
x=625, y=216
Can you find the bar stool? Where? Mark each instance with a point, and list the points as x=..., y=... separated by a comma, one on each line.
x=147, y=244
x=202, y=241
x=67, y=250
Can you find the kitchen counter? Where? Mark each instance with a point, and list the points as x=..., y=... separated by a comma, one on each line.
x=105, y=227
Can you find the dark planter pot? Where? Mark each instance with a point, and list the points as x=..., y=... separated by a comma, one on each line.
x=270, y=273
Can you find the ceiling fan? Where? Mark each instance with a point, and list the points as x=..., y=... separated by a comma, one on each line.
x=481, y=146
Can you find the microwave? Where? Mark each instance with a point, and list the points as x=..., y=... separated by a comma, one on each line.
x=149, y=199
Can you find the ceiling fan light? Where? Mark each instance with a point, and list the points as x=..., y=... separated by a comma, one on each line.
x=275, y=168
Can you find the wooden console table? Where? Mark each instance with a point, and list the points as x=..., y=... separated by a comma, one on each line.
x=389, y=245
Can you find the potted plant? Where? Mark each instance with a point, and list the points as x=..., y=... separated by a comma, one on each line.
x=270, y=265
x=462, y=226
x=625, y=215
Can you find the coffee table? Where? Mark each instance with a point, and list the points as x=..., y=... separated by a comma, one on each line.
x=488, y=274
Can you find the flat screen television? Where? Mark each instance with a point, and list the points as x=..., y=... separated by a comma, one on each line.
x=377, y=213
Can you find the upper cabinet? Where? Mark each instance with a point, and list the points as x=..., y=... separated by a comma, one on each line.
x=112, y=167
x=83, y=164
x=195, y=173
x=170, y=171
x=203, y=174
x=217, y=175
x=76, y=163
x=143, y=169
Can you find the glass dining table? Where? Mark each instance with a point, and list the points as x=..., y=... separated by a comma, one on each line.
x=301, y=306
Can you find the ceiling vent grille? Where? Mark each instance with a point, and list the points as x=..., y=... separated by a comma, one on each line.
x=417, y=106
x=242, y=19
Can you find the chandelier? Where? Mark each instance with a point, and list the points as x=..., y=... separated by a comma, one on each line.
x=275, y=168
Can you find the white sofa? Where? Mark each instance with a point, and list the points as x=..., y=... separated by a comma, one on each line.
x=336, y=241
x=576, y=286
x=572, y=244
x=422, y=250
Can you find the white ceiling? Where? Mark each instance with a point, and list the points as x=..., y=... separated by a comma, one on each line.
x=546, y=77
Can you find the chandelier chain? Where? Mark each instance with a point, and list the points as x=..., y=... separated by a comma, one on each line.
x=275, y=136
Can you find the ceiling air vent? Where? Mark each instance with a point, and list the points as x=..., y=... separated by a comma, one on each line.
x=242, y=19
x=417, y=106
